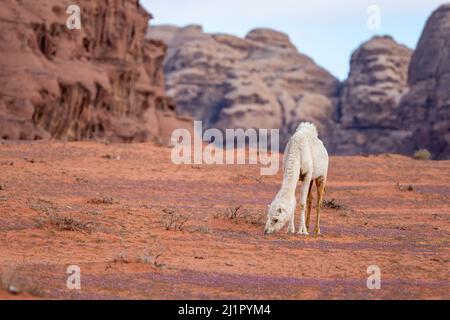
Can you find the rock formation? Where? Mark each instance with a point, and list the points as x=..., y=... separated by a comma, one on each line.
x=100, y=82
x=106, y=81
x=392, y=101
x=367, y=112
x=425, y=109
x=261, y=81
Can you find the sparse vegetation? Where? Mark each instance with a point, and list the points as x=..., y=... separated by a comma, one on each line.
x=152, y=256
x=333, y=204
x=30, y=160
x=256, y=219
x=238, y=213
x=121, y=258
x=422, y=154
x=68, y=223
x=240, y=177
x=81, y=180
x=233, y=213
x=42, y=205
x=404, y=187
x=103, y=200
x=111, y=157
x=173, y=220
x=157, y=141
x=202, y=229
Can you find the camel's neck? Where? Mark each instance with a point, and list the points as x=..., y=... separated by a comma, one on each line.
x=288, y=188
x=291, y=170
x=289, y=183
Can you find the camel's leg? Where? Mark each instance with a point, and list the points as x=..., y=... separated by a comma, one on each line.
x=291, y=226
x=320, y=184
x=303, y=195
x=308, y=204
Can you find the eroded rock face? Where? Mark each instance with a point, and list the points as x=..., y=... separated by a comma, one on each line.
x=261, y=81
x=367, y=113
x=393, y=100
x=425, y=109
x=103, y=81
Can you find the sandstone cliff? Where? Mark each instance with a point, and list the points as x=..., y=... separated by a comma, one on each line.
x=425, y=109
x=367, y=113
x=103, y=81
x=392, y=101
x=261, y=81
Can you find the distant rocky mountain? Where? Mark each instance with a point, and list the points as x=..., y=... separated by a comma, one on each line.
x=425, y=109
x=393, y=100
x=367, y=112
x=101, y=82
x=261, y=81
x=107, y=81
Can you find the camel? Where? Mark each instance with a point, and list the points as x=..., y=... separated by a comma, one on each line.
x=305, y=160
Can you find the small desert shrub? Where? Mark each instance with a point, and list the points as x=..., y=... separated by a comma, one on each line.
x=104, y=200
x=173, y=220
x=68, y=223
x=111, y=157
x=42, y=205
x=202, y=229
x=402, y=187
x=121, y=258
x=239, y=213
x=157, y=141
x=242, y=177
x=255, y=219
x=234, y=213
x=152, y=256
x=333, y=204
x=63, y=223
x=422, y=154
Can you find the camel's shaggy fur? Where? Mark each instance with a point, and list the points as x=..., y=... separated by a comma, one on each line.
x=305, y=159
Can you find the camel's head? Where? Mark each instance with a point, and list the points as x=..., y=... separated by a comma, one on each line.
x=278, y=214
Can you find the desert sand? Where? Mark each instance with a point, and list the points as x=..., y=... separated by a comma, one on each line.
x=107, y=208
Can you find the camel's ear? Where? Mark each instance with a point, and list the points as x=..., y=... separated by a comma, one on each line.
x=279, y=210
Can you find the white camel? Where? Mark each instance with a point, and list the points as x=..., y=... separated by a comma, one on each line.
x=305, y=159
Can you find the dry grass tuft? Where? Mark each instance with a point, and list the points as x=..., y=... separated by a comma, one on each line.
x=42, y=205
x=173, y=220
x=68, y=223
x=152, y=256
x=103, y=200
x=422, y=154
x=404, y=187
x=333, y=204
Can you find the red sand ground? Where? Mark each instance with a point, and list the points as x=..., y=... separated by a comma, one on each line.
x=76, y=203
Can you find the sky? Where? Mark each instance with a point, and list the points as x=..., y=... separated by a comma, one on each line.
x=327, y=31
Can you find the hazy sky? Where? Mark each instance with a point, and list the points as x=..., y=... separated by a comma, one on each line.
x=327, y=31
